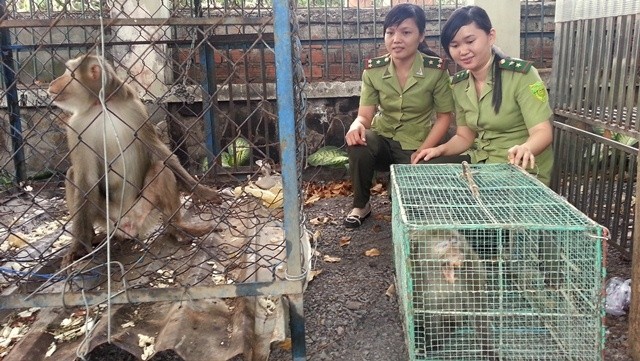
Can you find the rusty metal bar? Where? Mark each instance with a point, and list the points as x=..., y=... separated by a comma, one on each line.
x=606, y=70
x=593, y=120
x=581, y=46
x=596, y=175
x=635, y=64
x=594, y=62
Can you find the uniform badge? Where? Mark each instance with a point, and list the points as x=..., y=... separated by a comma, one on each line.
x=539, y=91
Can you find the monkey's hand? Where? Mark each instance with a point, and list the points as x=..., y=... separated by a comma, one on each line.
x=205, y=194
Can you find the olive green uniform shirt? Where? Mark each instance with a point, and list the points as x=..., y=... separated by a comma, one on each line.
x=406, y=115
x=525, y=104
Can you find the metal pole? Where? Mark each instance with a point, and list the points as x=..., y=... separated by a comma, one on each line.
x=525, y=52
x=209, y=89
x=634, y=307
x=13, y=107
x=287, y=134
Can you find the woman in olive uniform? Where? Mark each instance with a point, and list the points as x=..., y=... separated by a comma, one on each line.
x=502, y=107
x=401, y=92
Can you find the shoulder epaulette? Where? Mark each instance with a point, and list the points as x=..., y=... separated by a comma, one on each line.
x=434, y=62
x=377, y=62
x=517, y=65
x=459, y=76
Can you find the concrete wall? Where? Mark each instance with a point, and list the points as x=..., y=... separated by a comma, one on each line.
x=505, y=18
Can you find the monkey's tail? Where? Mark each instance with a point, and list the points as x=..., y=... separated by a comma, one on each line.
x=187, y=183
x=193, y=230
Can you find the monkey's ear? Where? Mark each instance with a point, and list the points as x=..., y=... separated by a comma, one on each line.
x=95, y=72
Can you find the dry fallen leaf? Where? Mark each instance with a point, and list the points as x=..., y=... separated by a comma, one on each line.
x=391, y=291
x=16, y=241
x=314, y=273
x=344, y=241
x=316, y=191
x=314, y=198
x=377, y=188
x=286, y=344
x=373, y=252
x=331, y=259
x=382, y=217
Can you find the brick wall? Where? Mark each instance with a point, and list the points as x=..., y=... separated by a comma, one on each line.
x=335, y=43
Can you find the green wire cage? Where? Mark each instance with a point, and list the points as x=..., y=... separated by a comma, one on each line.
x=493, y=265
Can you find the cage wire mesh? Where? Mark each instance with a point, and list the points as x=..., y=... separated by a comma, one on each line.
x=491, y=264
x=206, y=75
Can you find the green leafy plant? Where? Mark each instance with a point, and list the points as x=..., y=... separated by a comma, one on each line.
x=237, y=154
x=328, y=156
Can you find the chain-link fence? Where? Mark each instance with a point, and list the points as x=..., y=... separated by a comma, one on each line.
x=338, y=36
x=206, y=74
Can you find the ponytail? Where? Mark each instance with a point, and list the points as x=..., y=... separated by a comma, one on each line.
x=496, y=99
x=424, y=48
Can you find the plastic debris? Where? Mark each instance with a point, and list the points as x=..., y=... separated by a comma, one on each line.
x=618, y=296
x=146, y=343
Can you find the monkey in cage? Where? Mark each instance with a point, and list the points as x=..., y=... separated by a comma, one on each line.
x=117, y=155
x=451, y=296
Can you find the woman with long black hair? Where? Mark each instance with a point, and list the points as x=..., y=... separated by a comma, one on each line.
x=502, y=107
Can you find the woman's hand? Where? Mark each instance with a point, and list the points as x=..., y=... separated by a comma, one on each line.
x=522, y=156
x=356, y=134
x=425, y=154
x=540, y=137
x=357, y=130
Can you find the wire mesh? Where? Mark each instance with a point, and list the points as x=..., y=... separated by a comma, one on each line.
x=162, y=64
x=219, y=125
x=491, y=264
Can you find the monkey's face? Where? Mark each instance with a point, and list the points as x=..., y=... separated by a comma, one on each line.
x=451, y=254
x=68, y=91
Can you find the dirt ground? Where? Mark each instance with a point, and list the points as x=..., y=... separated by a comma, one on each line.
x=348, y=314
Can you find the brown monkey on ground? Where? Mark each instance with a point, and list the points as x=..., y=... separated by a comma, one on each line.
x=450, y=292
x=143, y=174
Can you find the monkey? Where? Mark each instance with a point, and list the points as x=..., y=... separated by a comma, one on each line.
x=449, y=279
x=143, y=175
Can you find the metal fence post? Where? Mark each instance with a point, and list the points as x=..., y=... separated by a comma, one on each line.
x=209, y=88
x=8, y=72
x=287, y=133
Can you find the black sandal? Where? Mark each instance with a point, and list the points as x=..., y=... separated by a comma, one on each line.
x=354, y=220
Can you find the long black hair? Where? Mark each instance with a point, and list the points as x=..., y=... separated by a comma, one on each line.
x=474, y=14
x=404, y=11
